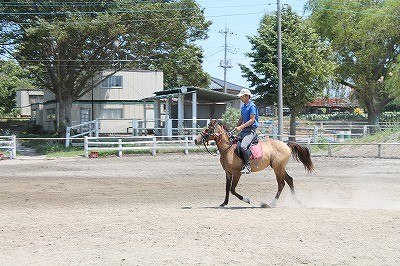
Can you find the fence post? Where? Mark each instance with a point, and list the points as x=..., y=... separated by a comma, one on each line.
x=365, y=130
x=67, y=136
x=329, y=150
x=379, y=150
x=14, y=150
x=315, y=134
x=274, y=132
x=154, y=146
x=186, y=145
x=97, y=126
x=119, y=147
x=86, y=146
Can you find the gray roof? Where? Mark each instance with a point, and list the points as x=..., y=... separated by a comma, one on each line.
x=218, y=84
x=203, y=95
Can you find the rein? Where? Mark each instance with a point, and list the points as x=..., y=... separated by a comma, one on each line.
x=218, y=136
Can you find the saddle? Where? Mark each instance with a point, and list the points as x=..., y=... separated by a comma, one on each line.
x=255, y=148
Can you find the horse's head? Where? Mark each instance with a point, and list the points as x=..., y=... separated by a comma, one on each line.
x=210, y=132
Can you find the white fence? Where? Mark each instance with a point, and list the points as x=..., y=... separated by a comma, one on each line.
x=84, y=129
x=142, y=143
x=375, y=150
x=9, y=144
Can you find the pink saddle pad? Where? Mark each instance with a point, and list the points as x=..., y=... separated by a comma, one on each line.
x=256, y=150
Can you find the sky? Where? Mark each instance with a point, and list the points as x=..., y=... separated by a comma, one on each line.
x=241, y=18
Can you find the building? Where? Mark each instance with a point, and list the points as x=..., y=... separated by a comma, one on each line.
x=115, y=102
x=184, y=110
x=26, y=98
x=331, y=105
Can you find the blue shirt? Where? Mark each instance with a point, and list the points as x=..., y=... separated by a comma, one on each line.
x=249, y=109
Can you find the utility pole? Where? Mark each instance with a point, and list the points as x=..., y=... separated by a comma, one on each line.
x=225, y=64
x=280, y=89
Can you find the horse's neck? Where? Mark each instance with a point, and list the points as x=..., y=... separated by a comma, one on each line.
x=225, y=143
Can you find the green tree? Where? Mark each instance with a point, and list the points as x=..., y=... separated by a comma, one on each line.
x=65, y=45
x=365, y=37
x=12, y=79
x=305, y=63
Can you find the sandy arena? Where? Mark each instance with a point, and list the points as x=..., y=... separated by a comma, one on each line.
x=163, y=210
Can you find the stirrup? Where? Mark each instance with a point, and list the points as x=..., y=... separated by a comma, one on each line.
x=246, y=169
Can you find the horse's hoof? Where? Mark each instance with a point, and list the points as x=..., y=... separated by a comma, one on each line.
x=265, y=205
x=222, y=205
x=246, y=200
x=297, y=201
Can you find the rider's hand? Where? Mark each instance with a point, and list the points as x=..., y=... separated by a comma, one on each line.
x=239, y=128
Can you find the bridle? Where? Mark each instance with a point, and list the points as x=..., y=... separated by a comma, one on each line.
x=209, y=134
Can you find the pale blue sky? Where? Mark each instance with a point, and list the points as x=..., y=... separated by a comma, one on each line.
x=242, y=18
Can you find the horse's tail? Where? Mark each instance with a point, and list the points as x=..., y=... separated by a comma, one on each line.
x=301, y=154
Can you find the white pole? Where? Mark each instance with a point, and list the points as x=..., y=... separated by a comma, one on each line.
x=86, y=147
x=154, y=146
x=67, y=136
x=186, y=145
x=194, y=114
x=119, y=147
x=14, y=150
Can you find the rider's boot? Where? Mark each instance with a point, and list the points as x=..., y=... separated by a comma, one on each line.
x=246, y=162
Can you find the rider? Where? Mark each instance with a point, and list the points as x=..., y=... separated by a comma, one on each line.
x=247, y=125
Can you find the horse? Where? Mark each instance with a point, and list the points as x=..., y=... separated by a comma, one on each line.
x=275, y=153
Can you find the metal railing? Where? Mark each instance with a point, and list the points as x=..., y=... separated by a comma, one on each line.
x=84, y=129
x=9, y=144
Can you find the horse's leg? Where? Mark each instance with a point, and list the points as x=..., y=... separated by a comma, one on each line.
x=289, y=181
x=227, y=188
x=235, y=181
x=280, y=178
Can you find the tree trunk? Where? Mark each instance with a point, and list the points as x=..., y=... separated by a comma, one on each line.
x=292, y=130
x=64, y=115
x=373, y=120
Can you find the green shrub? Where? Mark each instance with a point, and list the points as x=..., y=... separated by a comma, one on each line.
x=230, y=117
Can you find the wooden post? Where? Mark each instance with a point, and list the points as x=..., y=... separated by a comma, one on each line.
x=379, y=150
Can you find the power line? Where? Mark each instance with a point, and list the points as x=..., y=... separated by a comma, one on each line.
x=97, y=12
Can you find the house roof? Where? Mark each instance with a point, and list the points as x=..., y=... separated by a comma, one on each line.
x=203, y=95
x=332, y=102
x=218, y=84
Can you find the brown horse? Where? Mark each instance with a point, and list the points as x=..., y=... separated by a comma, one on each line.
x=275, y=154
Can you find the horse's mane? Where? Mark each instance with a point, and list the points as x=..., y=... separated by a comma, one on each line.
x=224, y=126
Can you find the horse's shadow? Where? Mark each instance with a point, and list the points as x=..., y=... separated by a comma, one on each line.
x=234, y=208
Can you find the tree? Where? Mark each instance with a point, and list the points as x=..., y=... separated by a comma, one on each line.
x=305, y=64
x=364, y=35
x=12, y=78
x=65, y=45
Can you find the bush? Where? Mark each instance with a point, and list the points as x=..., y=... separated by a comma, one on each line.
x=230, y=117
x=357, y=116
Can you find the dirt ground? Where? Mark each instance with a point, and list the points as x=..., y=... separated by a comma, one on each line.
x=163, y=210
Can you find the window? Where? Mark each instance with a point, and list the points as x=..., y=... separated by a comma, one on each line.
x=35, y=99
x=50, y=114
x=112, y=82
x=111, y=113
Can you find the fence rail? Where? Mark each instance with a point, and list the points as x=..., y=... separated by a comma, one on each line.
x=375, y=150
x=9, y=144
x=142, y=143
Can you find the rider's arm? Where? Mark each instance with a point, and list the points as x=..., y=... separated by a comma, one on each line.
x=240, y=126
